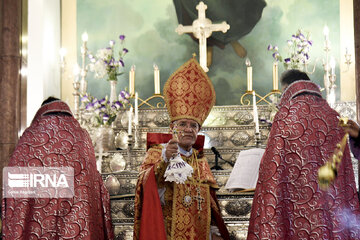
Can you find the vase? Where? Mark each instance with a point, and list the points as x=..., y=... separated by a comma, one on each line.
x=112, y=184
x=113, y=96
x=104, y=139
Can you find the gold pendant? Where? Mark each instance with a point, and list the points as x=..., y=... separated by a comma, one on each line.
x=187, y=201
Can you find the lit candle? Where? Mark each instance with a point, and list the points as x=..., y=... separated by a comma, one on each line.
x=332, y=65
x=156, y=79
x=130, y=121
x=85, y=37
x=76, y=72
x=132, y=81
x=136, y=120
x=326, y=32
x=275, y=76
x=62, y=53
x=256, y=118
x=249, y=75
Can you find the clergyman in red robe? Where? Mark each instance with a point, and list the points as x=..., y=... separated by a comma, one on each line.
x=56, y=139
x=288, y=202
x=167, y=209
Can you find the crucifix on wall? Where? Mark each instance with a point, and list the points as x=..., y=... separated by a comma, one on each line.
x=202, y=28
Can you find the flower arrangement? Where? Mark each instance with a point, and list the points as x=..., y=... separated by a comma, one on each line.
x=104, y=62
x=298, y=48
x=104, y=113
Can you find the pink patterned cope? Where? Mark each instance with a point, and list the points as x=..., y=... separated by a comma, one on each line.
x=288, y=203
x=57, y=140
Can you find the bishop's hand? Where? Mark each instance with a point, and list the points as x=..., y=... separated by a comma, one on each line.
x=352, y=128
x=171, y=148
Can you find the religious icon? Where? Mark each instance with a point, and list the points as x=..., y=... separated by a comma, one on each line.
x=241, y=15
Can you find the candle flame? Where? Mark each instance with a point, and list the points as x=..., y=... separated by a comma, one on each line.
x=247, y=62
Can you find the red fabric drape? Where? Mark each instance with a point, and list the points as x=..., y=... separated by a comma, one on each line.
x=57, y=140
x=152, y=222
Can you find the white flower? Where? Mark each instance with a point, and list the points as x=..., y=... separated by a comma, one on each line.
x=100, y=69
x=104, y=53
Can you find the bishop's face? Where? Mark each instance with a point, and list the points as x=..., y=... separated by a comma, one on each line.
x=187, y=132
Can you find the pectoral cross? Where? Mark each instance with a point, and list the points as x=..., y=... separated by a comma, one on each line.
x=199, y=198
x=202, y=28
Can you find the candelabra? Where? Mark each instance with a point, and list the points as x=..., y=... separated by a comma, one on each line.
x=83, y=71
x=130, y=165
x=347, y=59
x=76, y=95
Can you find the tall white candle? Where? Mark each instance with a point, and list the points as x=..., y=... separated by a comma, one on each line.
x=326, y=32
x=275, y=76
x=332, y=65
x=136, y=120
x=130, y=121
x=256, y=117
x=132, y=81
x=156, y=79
x=249, y=75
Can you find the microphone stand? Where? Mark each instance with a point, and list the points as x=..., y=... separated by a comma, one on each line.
x=217, y=156
x=217, y=167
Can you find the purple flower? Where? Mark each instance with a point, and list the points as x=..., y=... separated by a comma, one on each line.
x=106, y=118
x=102, y=108
x=275, y=55
x=270, y=47
x=125, y=50
x=122, y=37
x=85, y=98
x=102, y=101
x=89, y=107
x=121, y=62
x=117, y=105
x=287, y=60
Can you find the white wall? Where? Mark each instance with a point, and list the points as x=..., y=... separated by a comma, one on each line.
x=43, y=53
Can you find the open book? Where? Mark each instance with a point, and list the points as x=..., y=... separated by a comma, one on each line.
x=246, y=170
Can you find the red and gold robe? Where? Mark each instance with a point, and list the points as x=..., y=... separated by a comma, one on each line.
x=56, y=139
x=176, y=219
x=288, y=203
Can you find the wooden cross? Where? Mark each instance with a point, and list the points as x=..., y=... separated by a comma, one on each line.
x=202, y=28
x=199, y=198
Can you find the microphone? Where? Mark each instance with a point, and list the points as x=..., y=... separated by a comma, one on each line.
x=217, y=155
x=216, y=152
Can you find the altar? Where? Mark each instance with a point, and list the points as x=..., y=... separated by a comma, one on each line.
x=121, y=147
x=230, y=129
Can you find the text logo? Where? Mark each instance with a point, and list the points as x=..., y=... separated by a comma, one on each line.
x=38, y=182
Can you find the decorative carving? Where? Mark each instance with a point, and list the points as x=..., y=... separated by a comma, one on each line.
x=128, y=209
x=243, y=118
x=238, y=208
x=346, y=109
x=115, y=209
x=121, y=236
x=162, y=120
x=218, y=141
x=240, y=138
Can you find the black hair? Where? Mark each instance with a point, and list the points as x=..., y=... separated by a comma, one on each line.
x=293, y=75
x=49, y=100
